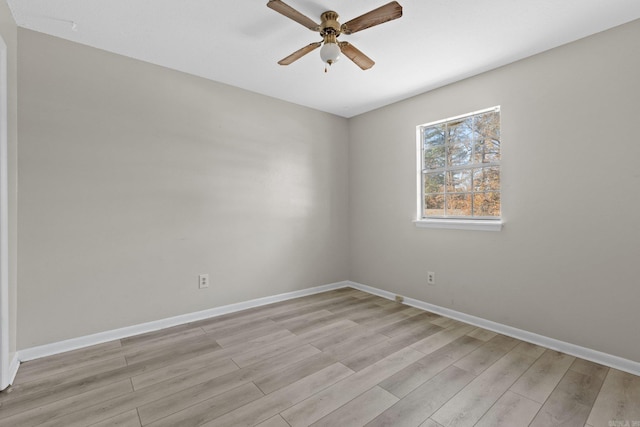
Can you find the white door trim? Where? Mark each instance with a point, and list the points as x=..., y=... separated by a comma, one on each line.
x=5, y=370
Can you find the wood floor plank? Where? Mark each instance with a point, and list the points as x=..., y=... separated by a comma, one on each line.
x=338, y=328
x=327, y=340
x=365, y=305
x=571, y=401
x=371, y=355
x=266, y=327
x=357, y=293
x=353, y=345
x=342, y=303
x=127, y=419
x=267, y=351
x=529, y=349
x=217, y=384
x=302, y=321
x=326, y=333
x=482, y=334
x=618, y=400
x=413, y=376
x=405, y=325
x=511, y=410
x=235, y=325
x=360, y=410
x=468, y=406
x=307, y=310
x=66, y=361
x=485, y=355
x=442, y=338
x=246, y=316
x=25, y=402
x=361, y=317
x=264, y=408
x=211, y=408
x=561, y=411
x=174, y=339
x=585, y=367
x=276, y=421
x=137, y=398
x=430, y=423
x=445, y=322
x=582, y=388
x=51, y=382
x=276, y=380
x=389, y=319
x=385, y=302
x=329, y=320
x=283, y=360
x=144, y=353
x=325, y=401
x=422, y=402
x=153, y=375
x=543, y=376
x=40, y=414
x=337, y=306
x=158, y=336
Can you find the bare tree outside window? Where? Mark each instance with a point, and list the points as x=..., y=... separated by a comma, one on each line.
x=461, y=166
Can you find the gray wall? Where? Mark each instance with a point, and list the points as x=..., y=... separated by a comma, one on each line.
x=134, y=179
x=566, y=264
x=9, y=32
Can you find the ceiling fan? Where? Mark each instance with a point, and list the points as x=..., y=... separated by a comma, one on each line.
x=330, y=29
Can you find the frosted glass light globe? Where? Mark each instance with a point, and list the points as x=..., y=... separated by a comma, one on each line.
x=330, y=53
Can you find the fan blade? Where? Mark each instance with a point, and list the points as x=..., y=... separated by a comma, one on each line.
x=351, y=52
x=291, y=13
x=388, y=12
x=299, y=53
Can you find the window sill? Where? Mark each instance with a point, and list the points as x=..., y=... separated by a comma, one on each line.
x=460, y=224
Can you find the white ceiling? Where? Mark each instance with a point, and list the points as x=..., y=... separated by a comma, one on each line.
x=436, y=42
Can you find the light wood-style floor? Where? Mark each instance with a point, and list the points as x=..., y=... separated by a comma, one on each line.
x=340, y=358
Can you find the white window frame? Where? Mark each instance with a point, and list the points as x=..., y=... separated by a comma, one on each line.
x=461, y=223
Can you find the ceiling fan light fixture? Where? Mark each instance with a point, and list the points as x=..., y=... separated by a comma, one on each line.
x=330, y=53
x=330, y=28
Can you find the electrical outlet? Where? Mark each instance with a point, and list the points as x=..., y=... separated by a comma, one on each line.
x=431, y=278
x=203, y=281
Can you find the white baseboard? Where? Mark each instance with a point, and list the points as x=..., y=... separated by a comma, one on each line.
x=102, y=337
x=13, y=368
x=564, y=347
x=73, y=344
x=10, y=375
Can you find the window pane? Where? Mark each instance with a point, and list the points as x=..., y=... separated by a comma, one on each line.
x=486, y=204
x=459, y=142
x=433, y=146
x=433, y=136
x=458, y=204
x=486, y=179
x=487, y=137
x=459, y=181
x=434, y=183
x=434, y=205
x=434, y=158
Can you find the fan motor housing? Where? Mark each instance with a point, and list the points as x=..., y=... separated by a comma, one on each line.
x=330, y=24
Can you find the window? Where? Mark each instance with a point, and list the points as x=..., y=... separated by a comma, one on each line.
x=460, y=168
